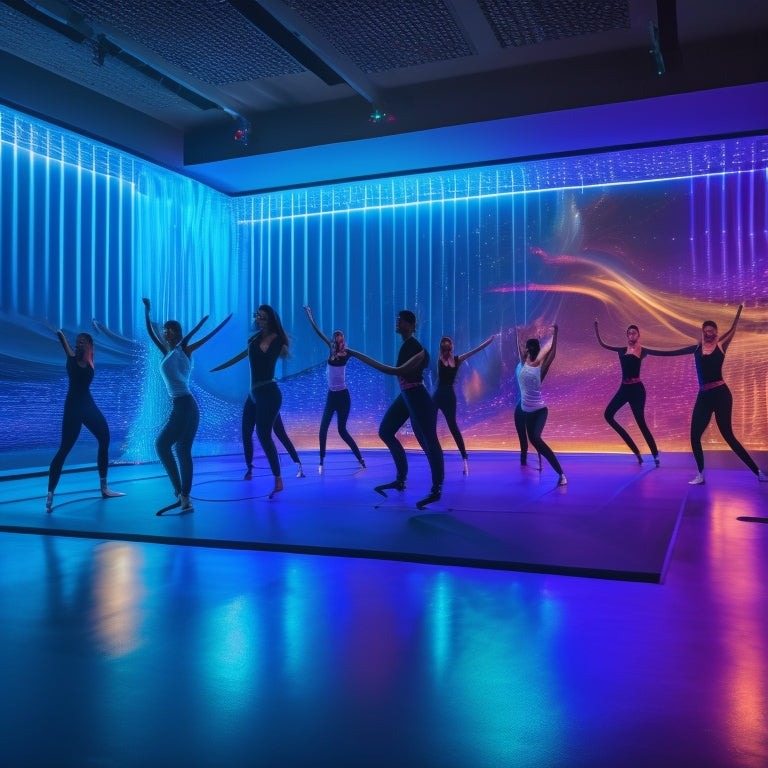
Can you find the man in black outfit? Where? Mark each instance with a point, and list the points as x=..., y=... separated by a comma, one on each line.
x=413, y=402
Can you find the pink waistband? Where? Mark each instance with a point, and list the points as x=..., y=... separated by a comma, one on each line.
x=630, y=381
x=711, y=385
x=410, y=384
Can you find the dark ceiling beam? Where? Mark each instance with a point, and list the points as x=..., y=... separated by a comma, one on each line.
x=60, y=18
x=302, y=42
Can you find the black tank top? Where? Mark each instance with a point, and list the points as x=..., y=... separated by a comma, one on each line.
x=709, y=368
x=446, y=374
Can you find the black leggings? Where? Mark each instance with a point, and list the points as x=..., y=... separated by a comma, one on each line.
x=534, y=426
x=634, y=394
x=717, y=401
x=262, y=414
x=74, y=419
x=282, y=436
x=338, y=402
x=445, y=401
x=414, y=404
x=180, y=430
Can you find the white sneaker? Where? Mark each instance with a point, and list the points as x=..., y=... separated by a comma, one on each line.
x=320, y=469
x=49, y=502
x=186, y=504
x=562, y=480
x=299, y=471
x=761, y=476
x=698, y=480
x=466, y=467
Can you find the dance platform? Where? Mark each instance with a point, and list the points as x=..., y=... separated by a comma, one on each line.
x=615, y=519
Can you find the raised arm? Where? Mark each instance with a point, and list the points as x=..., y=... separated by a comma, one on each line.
x=549, y=355
x=520, y=349
x=190, y=348
x=64, y=343
x=603, y=344
x=689, y=350
x=461, y=358
x=159, y=343
x=727, y=337
x=308, y=310
x=392, y=370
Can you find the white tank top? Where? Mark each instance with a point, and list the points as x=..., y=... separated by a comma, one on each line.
x=529, y=381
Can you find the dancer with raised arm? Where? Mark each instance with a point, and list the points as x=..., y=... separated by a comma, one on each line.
x=631, y=390
x=80, y=411
x=262, y=406
x=445, y=395
x=338, y=400
x=412, y=403
x=181, y=427
x=714, y=397
x=531, y=371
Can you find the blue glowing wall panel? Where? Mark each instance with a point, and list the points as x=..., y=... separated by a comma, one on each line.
x=663, y=237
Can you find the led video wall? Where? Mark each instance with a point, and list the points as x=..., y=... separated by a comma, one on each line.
x=663, y=237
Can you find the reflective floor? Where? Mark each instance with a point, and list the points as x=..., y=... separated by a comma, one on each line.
x=120, y=653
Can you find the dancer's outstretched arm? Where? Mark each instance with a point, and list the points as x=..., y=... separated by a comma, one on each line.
x=461, y=358
x=549, y=355
x=401, y=370
x=603, y=344
x=308, y=310
x=64, y=343
x=190, y=348
x=727, y=337
x=236, y=359
x=159, y=343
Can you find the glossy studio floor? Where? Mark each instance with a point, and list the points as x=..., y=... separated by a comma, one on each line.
x=619, y=621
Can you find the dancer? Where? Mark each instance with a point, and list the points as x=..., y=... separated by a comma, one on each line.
x=714, y=395
x=531, y=371
x=338, y=400
x=413, y=402
x=80, y=411
x=181, y=427
x=445, y=395
x=631, y=390
x=262, y=406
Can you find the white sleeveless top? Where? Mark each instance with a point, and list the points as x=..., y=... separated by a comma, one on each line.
x=176, y=369
x=529, y=381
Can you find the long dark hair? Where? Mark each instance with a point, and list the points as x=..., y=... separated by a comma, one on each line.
x=275, y=326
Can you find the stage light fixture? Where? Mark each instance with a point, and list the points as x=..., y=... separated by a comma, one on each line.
x=243, y=132
x=655, y=50
x=379, y=116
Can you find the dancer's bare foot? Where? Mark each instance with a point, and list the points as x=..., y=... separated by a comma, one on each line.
x=278, y=487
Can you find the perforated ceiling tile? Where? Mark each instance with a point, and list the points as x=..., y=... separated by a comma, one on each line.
x=525, y=22
x=47, y=49
x=381, y=36
x=208, y=39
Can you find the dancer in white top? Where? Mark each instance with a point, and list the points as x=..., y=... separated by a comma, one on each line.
x=338, y=400
x=531, y=371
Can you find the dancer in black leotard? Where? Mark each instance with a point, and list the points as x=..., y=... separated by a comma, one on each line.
x=714, y=395
x=181, y=427
x=338, y=400
x=631, y=390
x=262, y=406
x=80, y=411
x=445, y=395
x=413, y=402
x=531, y=371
